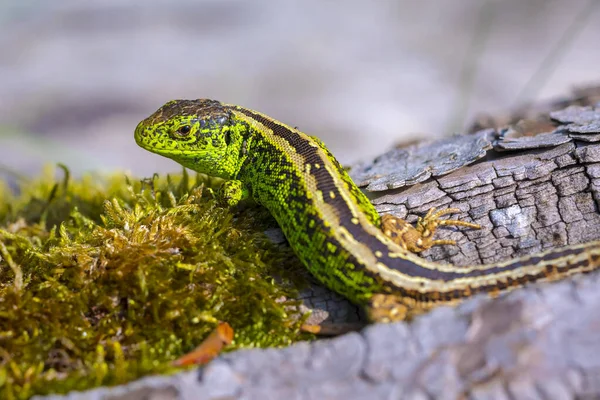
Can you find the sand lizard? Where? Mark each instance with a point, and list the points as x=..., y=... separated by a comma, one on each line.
x=328, y=221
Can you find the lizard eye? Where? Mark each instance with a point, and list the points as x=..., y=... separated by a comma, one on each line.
x=184, y=130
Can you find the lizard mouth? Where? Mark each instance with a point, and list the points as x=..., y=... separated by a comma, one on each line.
x=150, y=139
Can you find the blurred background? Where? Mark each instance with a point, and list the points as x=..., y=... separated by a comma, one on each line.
x=77, y=76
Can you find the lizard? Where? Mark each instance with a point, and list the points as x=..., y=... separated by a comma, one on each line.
x=329, y=222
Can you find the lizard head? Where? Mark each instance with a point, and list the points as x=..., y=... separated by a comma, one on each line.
x=199, y=134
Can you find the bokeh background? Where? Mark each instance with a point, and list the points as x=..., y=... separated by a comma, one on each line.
x=77, y=76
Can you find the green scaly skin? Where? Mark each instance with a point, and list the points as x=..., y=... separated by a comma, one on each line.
x=330, y=224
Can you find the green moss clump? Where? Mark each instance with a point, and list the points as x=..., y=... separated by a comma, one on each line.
x=103, y=280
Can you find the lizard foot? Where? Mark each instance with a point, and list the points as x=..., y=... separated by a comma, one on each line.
x=420, y=237
x=386, y=308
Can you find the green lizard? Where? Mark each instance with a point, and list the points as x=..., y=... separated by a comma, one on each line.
x=330, y=224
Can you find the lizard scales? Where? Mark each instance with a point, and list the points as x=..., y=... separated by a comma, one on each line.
x=330, y=224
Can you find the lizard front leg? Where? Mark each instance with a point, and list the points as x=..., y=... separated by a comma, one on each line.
x=232, y=192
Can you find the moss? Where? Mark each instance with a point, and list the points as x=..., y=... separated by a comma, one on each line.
x=106, y=279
